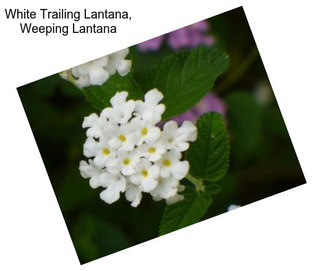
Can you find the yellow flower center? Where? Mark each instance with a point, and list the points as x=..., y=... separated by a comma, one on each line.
x=144, y=131
x=126, y=161
x=166, y=163
x=151, y=149
x=144, y=173
x=122, y=138
x=106, y=151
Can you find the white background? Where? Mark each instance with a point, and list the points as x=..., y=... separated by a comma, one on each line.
x=283, y=232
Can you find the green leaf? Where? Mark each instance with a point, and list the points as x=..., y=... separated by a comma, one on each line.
x=99, y=96
x=142, y=62
x=209, y=154
x=186, y=212
x=185, y=77
x=213, y=188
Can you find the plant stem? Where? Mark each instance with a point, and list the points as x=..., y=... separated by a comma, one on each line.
x=198, y=183
x=239, y=72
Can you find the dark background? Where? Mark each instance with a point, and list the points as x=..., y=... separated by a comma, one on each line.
x=263, y=161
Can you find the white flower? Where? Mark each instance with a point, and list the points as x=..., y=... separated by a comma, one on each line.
x=146, y=132
x=98, y=125
x=176, y=138
x=104, y=156
x=176, y=197
x=90, y=170
x=124, y=139
x=133, y=194
x=94, y=125
x=166, y=188
x=91, y=73
x=117, y=62
x=121, y=110
x=152, y=150
x=79, y=82
x=170, y=164
x=151, y=110
x=128, y=162
x=114, y=186
x=97, y=71
x=145, y=175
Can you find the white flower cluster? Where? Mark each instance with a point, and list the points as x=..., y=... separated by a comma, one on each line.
x=97, y=71
x=128, y=153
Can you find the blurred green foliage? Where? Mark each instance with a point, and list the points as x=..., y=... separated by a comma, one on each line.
x=263, y=161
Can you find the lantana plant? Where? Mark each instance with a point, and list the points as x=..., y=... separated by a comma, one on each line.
x=128, y=153
x=133, y=147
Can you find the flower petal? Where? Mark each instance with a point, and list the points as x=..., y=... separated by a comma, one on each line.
x=114, y=143
x=133, y=194
x=180, y=169
x=100, y=160
x=153, y=97
x=187, y=132
x=95, y=181
x=174, y=199
x=127, y=171
x=90, y=147
x=114, y=184
x=181, y=146
x=173, y=155
x=124, y=67
x=90, y=120
x=136, y=179
x=119, y=98
x=153, y=134
x=98, y=75
x=148, y=184
x=170, y=129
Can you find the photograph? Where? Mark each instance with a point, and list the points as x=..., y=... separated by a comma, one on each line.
x=152, y=138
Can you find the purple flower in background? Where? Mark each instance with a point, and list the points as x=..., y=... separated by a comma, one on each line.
x=151, y=45
x=190, y=36
x=187, y=37
x=210, y=102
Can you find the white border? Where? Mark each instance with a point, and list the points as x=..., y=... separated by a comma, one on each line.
x=283, y=232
